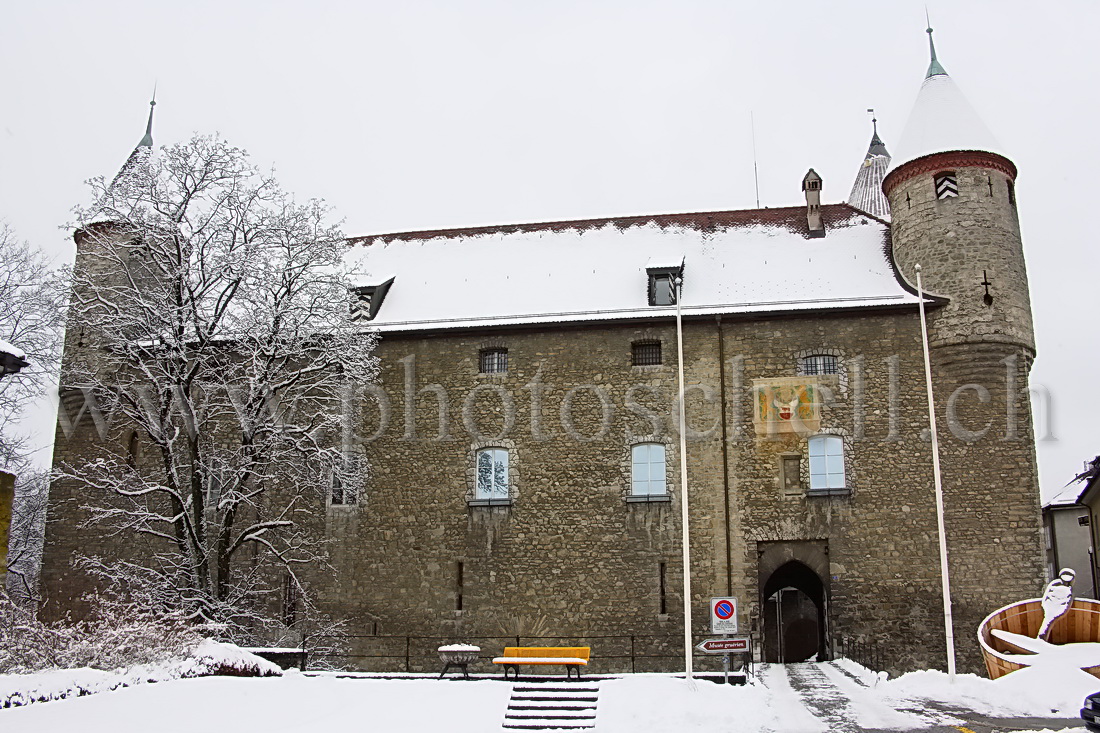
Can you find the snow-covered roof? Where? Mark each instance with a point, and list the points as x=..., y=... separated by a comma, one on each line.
x=7, y=348
x=759, y=261
x=1067, y=496
x=942, y=120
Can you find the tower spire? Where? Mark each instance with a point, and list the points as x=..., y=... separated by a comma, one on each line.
x=141, y=154
x=147, y=141
x=866, y=192
x=934, y=68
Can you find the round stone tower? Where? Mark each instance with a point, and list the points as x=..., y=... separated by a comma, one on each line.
x=953, y=205
x=953, y=208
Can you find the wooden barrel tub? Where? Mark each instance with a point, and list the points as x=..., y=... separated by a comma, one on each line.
x=1080, y=623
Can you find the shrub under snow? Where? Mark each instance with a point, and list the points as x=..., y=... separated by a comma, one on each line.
x=119, y=644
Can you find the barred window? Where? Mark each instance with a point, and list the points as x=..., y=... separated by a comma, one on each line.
x=645, y=353
x=820, y=364
x=493, y=361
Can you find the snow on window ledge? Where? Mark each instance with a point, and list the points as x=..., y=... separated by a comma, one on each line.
x=489, y=502
x=648, y=498
x=842, y=491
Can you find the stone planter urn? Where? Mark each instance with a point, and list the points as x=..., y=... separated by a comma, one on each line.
x=458, y=655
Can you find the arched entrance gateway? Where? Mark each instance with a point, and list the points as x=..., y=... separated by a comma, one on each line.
x=793, y=600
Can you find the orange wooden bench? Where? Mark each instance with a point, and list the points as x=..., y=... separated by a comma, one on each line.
x=573, y=657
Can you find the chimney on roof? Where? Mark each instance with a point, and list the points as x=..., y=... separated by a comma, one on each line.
x=811, y=185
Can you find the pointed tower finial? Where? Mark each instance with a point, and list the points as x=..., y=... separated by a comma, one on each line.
x=147, y=141
x=934, y=68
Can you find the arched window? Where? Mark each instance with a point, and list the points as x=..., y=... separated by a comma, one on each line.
x=647, y=470
x=819, y=364
x=492, y=474
x=826, y=462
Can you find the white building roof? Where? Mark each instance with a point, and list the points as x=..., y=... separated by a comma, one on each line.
x=759, y=261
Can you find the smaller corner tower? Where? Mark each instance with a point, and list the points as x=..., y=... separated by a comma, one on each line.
x=105, y=249
x=867, y=192
x=953, y=212
x=952, y=198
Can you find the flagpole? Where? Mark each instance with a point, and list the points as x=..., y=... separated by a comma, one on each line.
x=949, y=629
x=679, y=284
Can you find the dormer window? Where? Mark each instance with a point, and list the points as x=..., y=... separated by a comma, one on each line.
x=367, y=299
x=662, y=282
x=947, y=186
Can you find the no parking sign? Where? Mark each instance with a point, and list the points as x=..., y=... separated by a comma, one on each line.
x=723, y=615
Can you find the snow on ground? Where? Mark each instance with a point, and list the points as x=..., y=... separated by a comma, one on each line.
x=292, y=703
x=1027, y=692
x=644, y=703
x=659, y=703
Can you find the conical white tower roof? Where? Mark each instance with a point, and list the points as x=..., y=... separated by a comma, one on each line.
x=942, y=120
x=867, y=192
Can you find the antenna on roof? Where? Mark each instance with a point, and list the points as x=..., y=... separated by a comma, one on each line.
x=874, y=120
x=755, y=172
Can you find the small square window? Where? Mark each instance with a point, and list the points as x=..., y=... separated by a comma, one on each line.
x=493, y=361
x=342, y=495
x=645, y=353
x=820, y=364
x=343, y=490
x=791, y=475
x=947, y=186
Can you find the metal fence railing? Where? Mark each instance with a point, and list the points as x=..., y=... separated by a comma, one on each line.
x=409, y=653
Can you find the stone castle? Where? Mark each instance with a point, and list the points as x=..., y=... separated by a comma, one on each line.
x=526, y=454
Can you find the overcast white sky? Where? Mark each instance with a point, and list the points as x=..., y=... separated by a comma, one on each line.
x=419, y=115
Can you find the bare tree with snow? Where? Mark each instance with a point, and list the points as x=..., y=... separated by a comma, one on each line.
x=210, y=324
x=31, y=322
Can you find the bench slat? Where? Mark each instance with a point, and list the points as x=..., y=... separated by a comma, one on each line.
x=581, y=652
x=539, y=660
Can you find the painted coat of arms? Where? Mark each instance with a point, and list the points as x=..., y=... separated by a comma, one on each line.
x=786, y=405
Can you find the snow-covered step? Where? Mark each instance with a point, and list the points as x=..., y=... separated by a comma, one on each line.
x=551, y=706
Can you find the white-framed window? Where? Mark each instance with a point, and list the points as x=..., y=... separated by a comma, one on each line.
x=647, y=470
x=819, y=364
x=492, y=474
x=826, y=462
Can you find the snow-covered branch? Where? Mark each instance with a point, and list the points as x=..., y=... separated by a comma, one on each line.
x=215, y=332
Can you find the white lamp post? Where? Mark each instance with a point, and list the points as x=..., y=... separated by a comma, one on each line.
x=949, y=631
x=678, y=289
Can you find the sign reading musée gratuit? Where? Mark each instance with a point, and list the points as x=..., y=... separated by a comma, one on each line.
x=723, y=615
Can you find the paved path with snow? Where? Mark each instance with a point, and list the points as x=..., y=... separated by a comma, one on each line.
x=844, y=704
